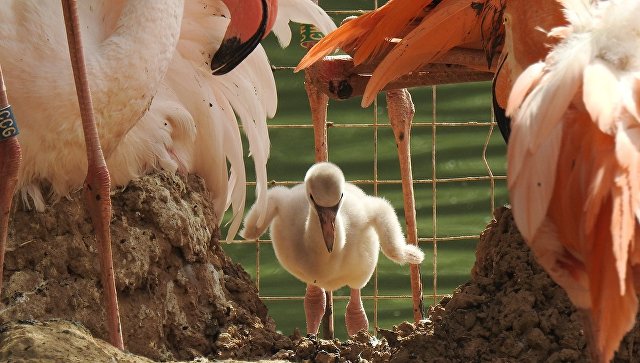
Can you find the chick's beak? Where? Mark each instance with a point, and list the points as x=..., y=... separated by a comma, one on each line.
x=327, y=217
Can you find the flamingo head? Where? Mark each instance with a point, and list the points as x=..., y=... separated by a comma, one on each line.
x=251, y=21
x=324, y=183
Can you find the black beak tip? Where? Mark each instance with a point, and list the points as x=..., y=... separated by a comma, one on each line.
x=232, y=52
x=222, y=64
x=227, y=57
x=216, y=65
x=503, y=121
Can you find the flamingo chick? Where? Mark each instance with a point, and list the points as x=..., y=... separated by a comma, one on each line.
x=327, y=233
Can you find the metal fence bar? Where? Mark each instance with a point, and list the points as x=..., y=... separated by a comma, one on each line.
x=343, y=298
x=420, y=239
x=375, y=191
x=434, y=191
x=319, y=103
x=258, y=267
x=492, y=178
x=398, y=181
x=375, y=126
x=366, y=126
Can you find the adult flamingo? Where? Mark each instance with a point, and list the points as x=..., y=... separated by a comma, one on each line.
x=191, y=125
x=121, y=94
x=124, y=85
x=442, y=26
x=574, y=164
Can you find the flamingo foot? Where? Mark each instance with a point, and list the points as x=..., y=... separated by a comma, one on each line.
x=314, y=305
x=355, y=316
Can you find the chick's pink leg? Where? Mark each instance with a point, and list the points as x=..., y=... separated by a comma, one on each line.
x=314, y=305
x=355, y=317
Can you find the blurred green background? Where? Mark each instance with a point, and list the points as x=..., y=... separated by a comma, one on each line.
x=463, y=208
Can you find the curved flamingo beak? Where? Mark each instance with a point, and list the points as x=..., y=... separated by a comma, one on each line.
x=500, y=88
x=251, y=21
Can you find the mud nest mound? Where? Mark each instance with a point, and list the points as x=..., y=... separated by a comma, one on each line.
x=510, y=311
x=182, y=298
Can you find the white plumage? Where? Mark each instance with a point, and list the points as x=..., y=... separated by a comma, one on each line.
x=301, y=12
x=157, y=106
x=363, y=225
x=35, y=58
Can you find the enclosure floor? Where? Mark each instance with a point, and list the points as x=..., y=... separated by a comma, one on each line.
x=182, y=298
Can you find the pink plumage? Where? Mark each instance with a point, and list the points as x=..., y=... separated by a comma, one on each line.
x=574, y=164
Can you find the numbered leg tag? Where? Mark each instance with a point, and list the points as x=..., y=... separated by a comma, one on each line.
x=8, y=124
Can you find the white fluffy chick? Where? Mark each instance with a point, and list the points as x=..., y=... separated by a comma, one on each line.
x=328, y=233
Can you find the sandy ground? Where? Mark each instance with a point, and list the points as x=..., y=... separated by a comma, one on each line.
x=182, y=298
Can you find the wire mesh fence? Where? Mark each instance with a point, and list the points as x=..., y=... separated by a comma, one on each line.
x=458, y=169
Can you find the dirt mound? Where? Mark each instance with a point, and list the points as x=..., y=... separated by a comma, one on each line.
x=57, y=341
x=63, y=341
x=180, y=296
x=510, y=311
